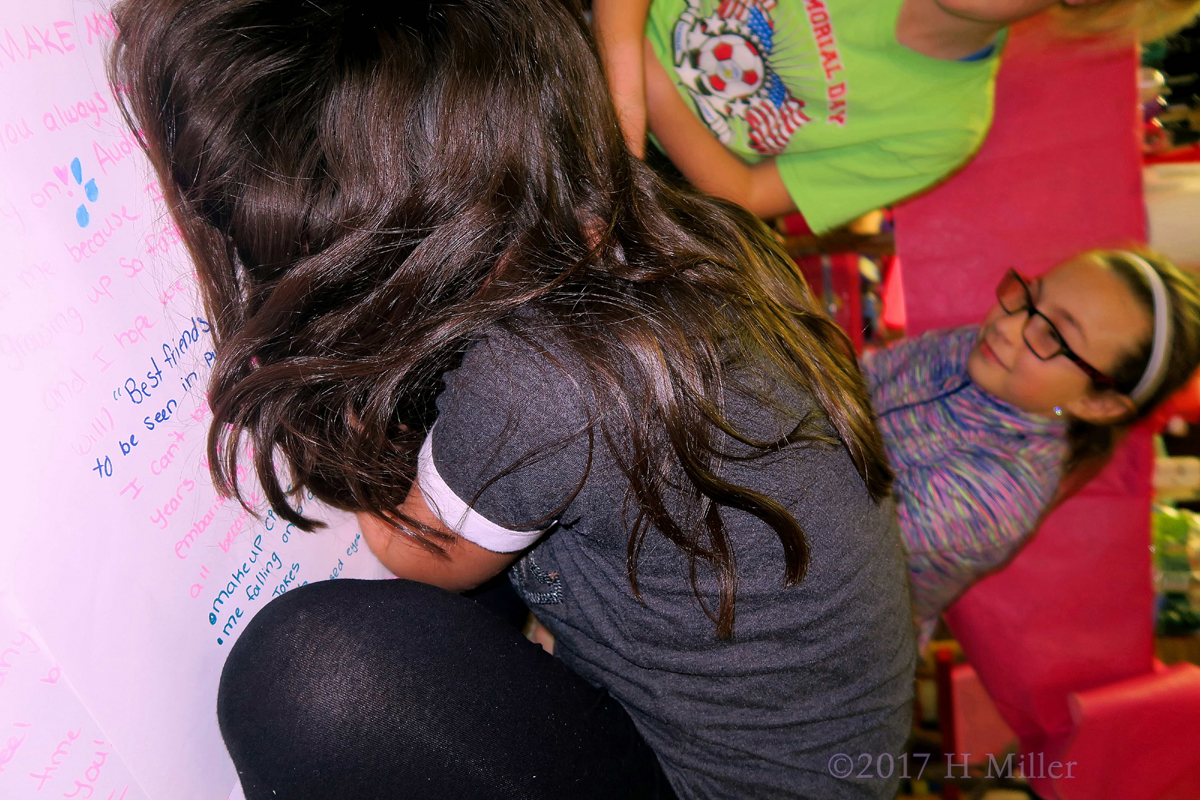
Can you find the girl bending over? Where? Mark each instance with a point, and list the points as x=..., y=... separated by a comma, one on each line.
x=446, y=296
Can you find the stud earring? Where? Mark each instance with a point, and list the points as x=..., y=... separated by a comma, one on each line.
x=1058, y=411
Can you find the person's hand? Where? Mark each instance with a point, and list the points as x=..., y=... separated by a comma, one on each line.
x=619, y=28
x=538, y=633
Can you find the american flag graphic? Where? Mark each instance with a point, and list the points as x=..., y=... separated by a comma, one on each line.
x=740, y=10
x=755, y=16
x=774, y=117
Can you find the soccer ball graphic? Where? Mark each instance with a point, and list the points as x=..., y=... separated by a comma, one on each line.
x=730, y=67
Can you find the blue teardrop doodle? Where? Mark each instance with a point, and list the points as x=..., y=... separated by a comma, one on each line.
x=90, y=190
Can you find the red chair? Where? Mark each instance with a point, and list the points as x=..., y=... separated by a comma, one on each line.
x=835, y=279
x=974, y=733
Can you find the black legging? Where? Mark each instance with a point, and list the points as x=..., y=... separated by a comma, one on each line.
x=394, y=689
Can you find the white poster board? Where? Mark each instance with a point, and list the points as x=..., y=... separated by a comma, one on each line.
x=124, y=578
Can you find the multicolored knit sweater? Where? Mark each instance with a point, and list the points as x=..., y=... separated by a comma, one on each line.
x=973, y=473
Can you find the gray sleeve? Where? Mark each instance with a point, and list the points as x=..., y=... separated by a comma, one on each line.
x=510, y=446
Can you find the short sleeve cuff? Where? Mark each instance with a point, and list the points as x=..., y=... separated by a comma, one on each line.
x=459, y=517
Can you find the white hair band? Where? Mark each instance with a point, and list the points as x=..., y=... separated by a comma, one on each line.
x=1160, y=348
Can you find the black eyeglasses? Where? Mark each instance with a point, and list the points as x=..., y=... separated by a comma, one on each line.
x=1039, y=332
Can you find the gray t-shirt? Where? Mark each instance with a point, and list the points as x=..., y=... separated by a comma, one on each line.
x=813, y=671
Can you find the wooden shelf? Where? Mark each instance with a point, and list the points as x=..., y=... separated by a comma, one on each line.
x=1174, y=649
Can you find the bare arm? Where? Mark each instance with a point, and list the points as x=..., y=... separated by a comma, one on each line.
x=464, y=566
x=701, y=157
x=619, y=27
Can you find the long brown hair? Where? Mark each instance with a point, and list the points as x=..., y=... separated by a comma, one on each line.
x=366, y=188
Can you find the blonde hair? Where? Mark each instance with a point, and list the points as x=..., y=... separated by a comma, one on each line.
x=1148, y=20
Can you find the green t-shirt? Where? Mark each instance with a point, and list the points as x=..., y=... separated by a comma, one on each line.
x=854, y=119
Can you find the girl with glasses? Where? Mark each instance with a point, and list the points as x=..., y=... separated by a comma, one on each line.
x=981, y=422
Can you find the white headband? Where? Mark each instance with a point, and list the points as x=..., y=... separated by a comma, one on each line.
x=1161, y=343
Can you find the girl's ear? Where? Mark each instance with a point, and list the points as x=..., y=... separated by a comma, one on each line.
x=1102, y=408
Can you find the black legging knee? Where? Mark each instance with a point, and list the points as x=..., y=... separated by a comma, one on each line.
x=395, y=689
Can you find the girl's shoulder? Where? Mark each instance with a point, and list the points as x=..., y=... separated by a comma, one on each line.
x=919, y=367
x=948, y=346
x=509, y=360
x=941, y=348
x=511, y=438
